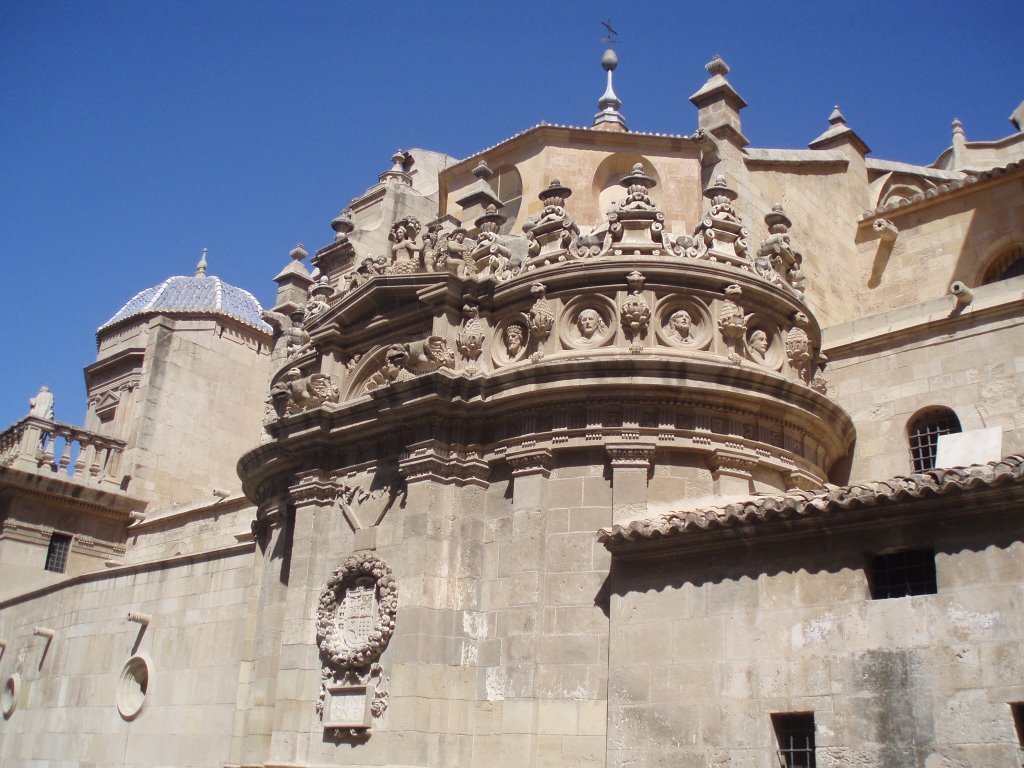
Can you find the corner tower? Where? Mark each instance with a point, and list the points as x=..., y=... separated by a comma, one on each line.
x=179, y=376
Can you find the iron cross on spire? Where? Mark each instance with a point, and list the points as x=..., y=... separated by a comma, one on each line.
x=609, y=39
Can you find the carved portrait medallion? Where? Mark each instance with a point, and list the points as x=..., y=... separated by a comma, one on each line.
x=762, y=345
x=684, y=322
x=588, y=322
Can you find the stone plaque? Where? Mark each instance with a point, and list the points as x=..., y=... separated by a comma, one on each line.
x=348, y=706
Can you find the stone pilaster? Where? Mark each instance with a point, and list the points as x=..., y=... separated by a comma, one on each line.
x=732, y=471
x=631, y=465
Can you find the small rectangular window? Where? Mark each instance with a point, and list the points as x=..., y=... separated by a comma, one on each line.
x=794, y=732
x=901, y=574
x=1017, y=710
x=57, y=552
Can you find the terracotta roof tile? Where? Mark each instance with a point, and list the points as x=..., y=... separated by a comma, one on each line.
x=827, y=500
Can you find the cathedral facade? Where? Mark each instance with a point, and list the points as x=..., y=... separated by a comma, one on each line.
x=595, y=448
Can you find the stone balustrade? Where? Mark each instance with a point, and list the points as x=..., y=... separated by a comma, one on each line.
x=40, y=445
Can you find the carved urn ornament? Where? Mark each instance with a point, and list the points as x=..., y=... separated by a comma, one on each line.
x=635, y=312
x=732, y=322
x=798, y=346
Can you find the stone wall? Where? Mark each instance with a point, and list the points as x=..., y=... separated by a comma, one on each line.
x=707, y=646
x=886, y=368
x=67, y=695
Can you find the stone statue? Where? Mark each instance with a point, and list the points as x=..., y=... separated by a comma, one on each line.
x=455, y=250
x=405, y=252
x=41, y=406
x=679, y=325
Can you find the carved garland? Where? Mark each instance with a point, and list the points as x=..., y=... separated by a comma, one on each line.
x=340, y=651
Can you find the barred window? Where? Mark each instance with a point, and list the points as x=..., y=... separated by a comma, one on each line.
x=924, y=435
x=794, y=732
x=902, y=574
x=57, y=552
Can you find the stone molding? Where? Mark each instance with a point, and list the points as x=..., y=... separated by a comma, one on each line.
x=532, y=461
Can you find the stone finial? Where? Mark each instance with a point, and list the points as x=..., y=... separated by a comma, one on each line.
x=342, y=224
x=717, y=66
x=399, y=171
x=555, y=193
x=777, y=220
x=201, y=266
x=491, y=221
x=839, y=133
x=719, y=192
x=609, y=118
x=483, y=170
x=298, y=252
x=719, y=105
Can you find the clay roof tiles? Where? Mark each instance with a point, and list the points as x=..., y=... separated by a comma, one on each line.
x=825, y=501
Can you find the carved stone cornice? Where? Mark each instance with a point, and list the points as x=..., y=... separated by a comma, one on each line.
x=315, y=487
x=441, y=462
x=531, y=461
x=732, y=462
x=630, y=455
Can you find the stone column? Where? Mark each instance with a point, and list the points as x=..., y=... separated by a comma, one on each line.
x=631, y=464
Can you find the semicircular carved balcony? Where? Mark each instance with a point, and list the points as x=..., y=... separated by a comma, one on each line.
x=471, y=350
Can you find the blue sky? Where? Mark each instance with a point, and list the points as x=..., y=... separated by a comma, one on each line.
x=134, y=134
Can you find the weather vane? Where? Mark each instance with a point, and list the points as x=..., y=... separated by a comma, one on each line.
x=610, y=39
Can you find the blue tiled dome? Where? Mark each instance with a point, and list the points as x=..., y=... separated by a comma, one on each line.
x=200, y=294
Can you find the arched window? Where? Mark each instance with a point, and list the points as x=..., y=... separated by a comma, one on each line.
x=924, y=432
x=1009, y=263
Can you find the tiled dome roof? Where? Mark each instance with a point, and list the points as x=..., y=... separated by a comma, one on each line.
x=190, y=295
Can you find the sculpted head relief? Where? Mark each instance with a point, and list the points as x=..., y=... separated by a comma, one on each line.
x=758, y=345
x=514, y=339
x=591, y=325
x=679, y=326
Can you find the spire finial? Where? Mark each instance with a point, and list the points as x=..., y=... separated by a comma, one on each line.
x=201, y=266
x=958, y=127
x=836, y=118
x=609, y=117
x=717, y=66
